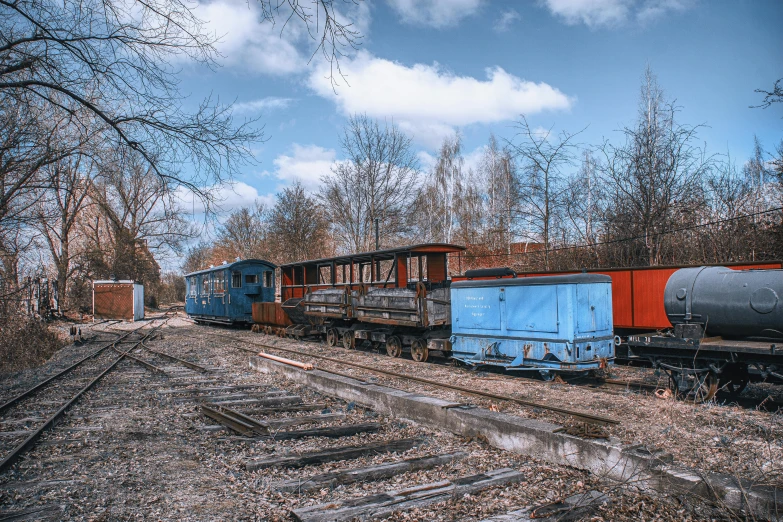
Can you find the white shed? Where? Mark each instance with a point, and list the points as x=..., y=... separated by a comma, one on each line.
x=118, y=300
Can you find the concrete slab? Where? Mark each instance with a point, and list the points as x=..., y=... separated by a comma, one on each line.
x=647, y=468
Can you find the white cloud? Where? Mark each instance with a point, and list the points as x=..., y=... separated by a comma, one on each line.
x=434, y=13
x=268, y=103
x=652, y=9
x=429, y=101
x=306, y=163
x=607, y=13
x=473, y=159
x=590, y=12
x=507, y=18
x=249, y=43
x=227, y=197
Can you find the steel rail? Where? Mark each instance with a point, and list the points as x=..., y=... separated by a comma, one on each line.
x=43, y=383
x=142, y=362
x=583, y=416
x=28, y=443
x=192, y=366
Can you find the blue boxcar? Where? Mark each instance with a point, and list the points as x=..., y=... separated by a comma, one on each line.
x=551, y=323
x=225, y=293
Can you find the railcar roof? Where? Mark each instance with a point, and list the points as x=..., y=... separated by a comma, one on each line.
x=530, y=281
x=654, y=267
x=235, y=264
x=381, y=255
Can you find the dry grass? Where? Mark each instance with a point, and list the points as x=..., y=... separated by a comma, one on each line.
x=25, y=342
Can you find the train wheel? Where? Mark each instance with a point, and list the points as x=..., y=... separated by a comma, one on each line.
x=419, y=350
x=734, y=378
x=331, y=337
x=697, y=388
x=394, y=346
x=349, y=341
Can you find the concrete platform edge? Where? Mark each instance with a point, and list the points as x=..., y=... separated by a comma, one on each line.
x=608, y=459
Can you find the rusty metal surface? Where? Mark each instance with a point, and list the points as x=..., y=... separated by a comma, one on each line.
x=113, y=301
x=235, y=420
x=270, y=314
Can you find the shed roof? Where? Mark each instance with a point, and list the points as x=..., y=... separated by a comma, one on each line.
x=381, y=255
x=235, y=264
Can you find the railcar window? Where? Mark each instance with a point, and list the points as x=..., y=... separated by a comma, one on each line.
x=268, y=279
x=251, y=279
x=205, y=284
x=218, y=286
x=192, y=286
x=236, y=280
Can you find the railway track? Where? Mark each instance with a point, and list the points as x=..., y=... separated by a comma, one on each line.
x=357, y=450
x=155, y=439
x=765, y=403
x=581, y=416
x=27, y=415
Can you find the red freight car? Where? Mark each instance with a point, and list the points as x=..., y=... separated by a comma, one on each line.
x=637, y=293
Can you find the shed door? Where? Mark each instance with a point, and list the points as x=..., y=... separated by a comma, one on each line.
x=477, y=308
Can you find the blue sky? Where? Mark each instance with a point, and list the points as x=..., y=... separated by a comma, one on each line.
x=438, y=66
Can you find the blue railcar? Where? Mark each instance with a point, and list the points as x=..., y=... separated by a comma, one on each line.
x=550, y=324
x=225, y=293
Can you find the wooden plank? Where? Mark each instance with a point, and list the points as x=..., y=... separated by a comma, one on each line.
x=34, y=513
x=331, y=431
x=195, y=391
x=306, y=419
x=385, y=504
x=379, y=472
x=281, y=409
x=334, y=454
x=272, y=401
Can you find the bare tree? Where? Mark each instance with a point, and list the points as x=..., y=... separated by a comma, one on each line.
x=376, y=181
x=197, y=257
x=435, y=209
x=59, y=210
x=26, y=148
x=141, y=215
x=499, y=176
x=297, y=224
x=243, y=234
x=542, y=156
x=583, y=200
x=773, y=96
x=116, y=61
x=654, y=179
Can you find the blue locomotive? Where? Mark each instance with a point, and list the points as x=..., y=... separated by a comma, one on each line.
x=550, y=324
x=225, y=293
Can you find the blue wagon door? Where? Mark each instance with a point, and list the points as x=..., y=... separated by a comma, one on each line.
x=594, y=306
x=236, y=300
x=219, y=298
